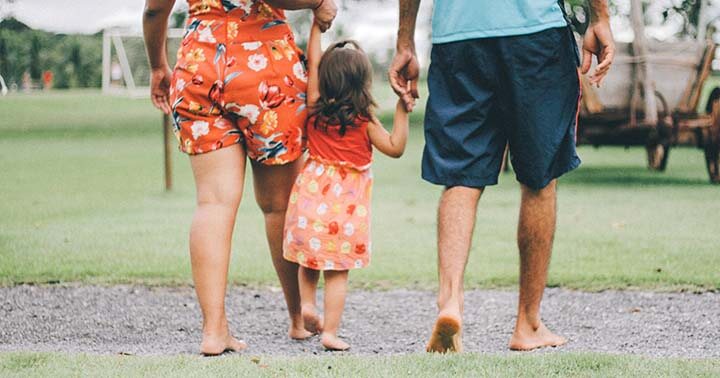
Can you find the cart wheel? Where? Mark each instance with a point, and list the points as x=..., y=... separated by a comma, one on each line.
x=657, y=155
x=711, y=141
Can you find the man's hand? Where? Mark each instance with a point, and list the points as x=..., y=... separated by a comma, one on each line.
x=404, y=73
x=325, y=14
x=160, y=88
x=598, y=41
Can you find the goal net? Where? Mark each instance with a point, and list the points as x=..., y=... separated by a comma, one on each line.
x=126, y=70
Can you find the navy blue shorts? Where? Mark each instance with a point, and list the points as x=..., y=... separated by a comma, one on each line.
x=485, y=93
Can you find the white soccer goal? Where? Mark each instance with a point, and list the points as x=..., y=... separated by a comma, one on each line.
x=126, y=70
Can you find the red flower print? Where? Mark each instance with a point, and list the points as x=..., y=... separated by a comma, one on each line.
x=360, y=249
x=333, y=228
x=350, y=209
x=325, y=189
x=216, y=92
x=343, y=172
x=270, y=95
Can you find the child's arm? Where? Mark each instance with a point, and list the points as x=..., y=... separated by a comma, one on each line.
x=391, y=144
x=314, y=55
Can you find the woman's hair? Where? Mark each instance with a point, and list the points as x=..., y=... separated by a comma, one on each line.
x=345, y=78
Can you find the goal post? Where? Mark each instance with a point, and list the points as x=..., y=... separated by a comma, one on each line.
x=126, y=72
x=125, y=68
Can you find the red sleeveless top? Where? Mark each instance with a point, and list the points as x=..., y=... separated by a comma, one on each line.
x=353, y=148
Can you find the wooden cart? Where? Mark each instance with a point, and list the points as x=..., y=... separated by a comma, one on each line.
x=614, y=113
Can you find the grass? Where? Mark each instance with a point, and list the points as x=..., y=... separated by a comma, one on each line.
x=530, y=365
x=82, y=200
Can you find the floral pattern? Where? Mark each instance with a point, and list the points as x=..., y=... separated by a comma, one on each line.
x=239, y=78
x=327, y=225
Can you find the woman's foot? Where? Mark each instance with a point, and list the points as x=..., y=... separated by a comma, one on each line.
x=527, y=337
x=215, y=346
x=299, y=333
x=312, y=320
x=333, y=343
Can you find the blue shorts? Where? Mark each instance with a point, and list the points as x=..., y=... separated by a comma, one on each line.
x=487, y=92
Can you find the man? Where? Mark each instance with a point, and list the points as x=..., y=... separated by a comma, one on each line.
x=501, y=72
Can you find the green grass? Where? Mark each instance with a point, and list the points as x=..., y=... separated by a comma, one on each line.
x=82, y=200
x=531, y=365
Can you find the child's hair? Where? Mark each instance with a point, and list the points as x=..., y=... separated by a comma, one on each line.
x=345, y=80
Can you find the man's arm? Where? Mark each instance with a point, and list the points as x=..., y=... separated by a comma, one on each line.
x=598, y=41
x=324, y=10
x=155, y=19
x=404, y=69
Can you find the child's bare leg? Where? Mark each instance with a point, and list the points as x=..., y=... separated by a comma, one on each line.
x=308, y=281
x=335, y=291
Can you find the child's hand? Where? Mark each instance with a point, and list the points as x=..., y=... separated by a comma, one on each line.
x=407, y=105
x=402, y=107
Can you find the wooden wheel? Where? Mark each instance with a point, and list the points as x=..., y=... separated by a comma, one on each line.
x=657, y=155
x=711, y=144
x=658, y=148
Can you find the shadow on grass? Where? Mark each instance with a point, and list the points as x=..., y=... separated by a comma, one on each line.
x=628, y=176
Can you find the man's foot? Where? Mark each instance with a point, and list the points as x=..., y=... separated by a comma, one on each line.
x=527, y=337
x=312, y=320
x=215, y=346
x=447, y=334
x=333, y=343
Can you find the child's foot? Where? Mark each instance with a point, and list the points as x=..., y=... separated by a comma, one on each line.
x=215, y=346
x=313, y=321
x=333, y=343
x=446, y=334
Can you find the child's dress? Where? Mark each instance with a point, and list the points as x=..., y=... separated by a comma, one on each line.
x=327, y=225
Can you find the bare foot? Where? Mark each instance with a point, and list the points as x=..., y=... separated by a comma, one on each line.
x=333, y=343
x=526, y=338
x=447, y=333
x=215, y=346
x=312, y=320
x=300, y=333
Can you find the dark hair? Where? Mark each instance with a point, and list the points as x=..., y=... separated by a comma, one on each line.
x=345, y=78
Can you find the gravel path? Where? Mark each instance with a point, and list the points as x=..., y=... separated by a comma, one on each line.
x=142, y=320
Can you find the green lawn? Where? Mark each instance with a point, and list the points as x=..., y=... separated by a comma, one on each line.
x=82, y=200
x=527, y=365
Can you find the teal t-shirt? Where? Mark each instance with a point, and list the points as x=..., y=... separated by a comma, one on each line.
x=457, y=20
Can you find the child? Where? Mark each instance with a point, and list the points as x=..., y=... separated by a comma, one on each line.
x=327, y=226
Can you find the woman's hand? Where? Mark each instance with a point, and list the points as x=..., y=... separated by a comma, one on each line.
x=325, y=14
x=160, y=79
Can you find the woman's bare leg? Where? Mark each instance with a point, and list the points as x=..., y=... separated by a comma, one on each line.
x=308, y=279
x=335, y=292
x=219, y=182
x=272, y=190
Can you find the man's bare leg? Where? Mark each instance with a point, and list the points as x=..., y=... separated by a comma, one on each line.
x=272, y=191
x=456, y=221
x=536, y=231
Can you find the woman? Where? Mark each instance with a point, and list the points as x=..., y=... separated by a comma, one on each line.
x=237, y=90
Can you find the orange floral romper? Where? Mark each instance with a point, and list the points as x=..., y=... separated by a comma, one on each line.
x=327, y=224
x=239, y=78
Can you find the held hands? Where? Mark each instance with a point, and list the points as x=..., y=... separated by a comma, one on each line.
x=598, y=41
x=403, y=74
x=325, y=14
x=160, y=88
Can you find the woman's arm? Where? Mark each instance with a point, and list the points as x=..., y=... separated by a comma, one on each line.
x=324, y=10
x=155, y=19
x=391, y=144
x=314, y=55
